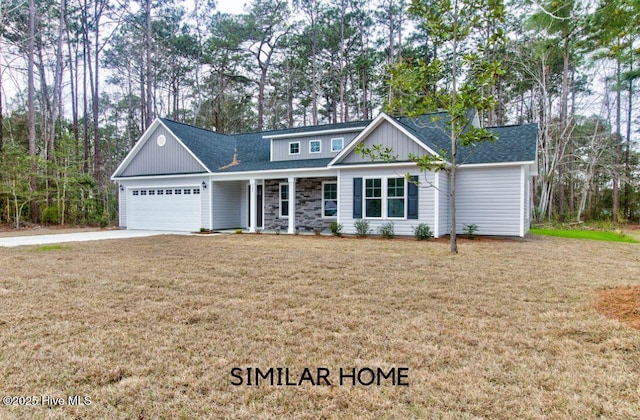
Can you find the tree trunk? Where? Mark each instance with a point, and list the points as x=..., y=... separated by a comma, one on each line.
x=148, y=73
x=618, y=150
x=33, y=185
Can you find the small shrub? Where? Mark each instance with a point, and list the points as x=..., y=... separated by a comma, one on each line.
x=317, y=231
x=386, y=231
x=362, y=228
x=335, y=228
x=258, y=231
x=470, y=230
x=277, y=230
x=51, y=215
x=238, y=231
x=422, y=232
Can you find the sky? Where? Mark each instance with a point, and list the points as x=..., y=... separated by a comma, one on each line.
x=230, y=6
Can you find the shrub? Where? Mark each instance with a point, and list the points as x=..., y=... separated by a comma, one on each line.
x=422, y=232
x=386, y=231
x=238, y=231
x=362, y=228
x=317, y=231
x=51, y=215
x=470, y=230
x=335, y=228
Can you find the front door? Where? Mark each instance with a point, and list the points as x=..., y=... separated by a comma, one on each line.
x=259, y=215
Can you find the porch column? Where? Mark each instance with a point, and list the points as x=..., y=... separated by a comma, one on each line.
x=292, y=205
x=253, y=208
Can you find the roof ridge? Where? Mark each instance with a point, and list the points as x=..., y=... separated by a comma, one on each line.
x=195, y=126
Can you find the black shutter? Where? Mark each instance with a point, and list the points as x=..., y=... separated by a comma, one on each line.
x=357, y=198
x=412, y=198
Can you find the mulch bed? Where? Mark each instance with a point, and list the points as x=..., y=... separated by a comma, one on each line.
x=621, y=303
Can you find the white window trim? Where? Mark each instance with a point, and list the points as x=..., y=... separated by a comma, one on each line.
x=384, y=197
x=323, y=199
x=341, y=144
x=319, y=148
x=280, y=199
x=294, y=142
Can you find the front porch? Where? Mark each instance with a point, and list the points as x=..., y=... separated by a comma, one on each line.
x=265, y=204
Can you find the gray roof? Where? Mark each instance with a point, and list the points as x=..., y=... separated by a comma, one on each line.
x=514, y=143
x=225, y=153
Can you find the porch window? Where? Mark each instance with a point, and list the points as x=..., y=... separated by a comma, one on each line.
x=329, y=199
x=294, y=148
x=314, y=146
x=337, y=144
x=395, y=197
x=284, y=200
x=373, y=197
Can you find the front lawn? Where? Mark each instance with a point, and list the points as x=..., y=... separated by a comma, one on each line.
x=152, y=327
x=585, y=234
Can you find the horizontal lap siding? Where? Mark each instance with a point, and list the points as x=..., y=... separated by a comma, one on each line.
x=489, y=198
x=444, y=224
x=280, y=147
x=122, y=208
x=226, y=203
x=401, y=227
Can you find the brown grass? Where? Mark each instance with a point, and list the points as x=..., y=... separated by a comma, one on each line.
x=151, y=327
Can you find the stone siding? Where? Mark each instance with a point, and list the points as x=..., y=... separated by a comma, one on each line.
x=308, y=205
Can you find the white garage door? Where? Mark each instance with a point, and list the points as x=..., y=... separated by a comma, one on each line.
x=168, y=208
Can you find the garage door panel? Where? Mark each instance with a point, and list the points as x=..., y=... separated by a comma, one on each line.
x=167, y=208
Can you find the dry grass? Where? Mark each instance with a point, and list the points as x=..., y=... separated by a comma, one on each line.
x=151, y=327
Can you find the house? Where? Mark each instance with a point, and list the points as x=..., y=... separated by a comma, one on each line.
x=180, y=177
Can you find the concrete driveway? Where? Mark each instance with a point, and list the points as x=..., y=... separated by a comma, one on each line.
x=81, y=237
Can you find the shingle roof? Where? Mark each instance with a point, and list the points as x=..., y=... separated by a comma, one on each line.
x=515, y=143
x=251, y=151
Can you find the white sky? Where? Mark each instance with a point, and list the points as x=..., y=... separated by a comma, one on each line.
x=230, y=6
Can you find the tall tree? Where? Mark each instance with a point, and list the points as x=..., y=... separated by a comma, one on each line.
x=461, y=88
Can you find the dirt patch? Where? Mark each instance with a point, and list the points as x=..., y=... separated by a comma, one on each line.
x=7, y=231
x=621, y=303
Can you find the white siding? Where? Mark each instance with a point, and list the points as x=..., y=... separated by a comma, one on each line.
x=401, y=227
x=226, y=201
x=490, y=198
x=122, y=208
x=205, y=206
x=444, y=224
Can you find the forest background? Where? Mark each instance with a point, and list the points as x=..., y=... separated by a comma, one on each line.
x=81, y=80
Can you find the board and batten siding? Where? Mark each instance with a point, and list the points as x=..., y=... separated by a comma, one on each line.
x=490, y=198
x=172, y=158
x=280, y=147
x=227, y=198
x=387, y=135
x=401, y=227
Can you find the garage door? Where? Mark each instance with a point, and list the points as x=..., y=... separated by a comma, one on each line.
x=168, y=208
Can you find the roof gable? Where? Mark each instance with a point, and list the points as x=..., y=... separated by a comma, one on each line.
x=386, y=131
x=150, y=156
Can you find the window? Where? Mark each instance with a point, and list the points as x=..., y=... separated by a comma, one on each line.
x=143, y=192
x=136, y=192
x=178, y=192
x=196, y=190
x=294, y=148
x=284, y=200
x=169, y=192
x=373, y=197
x=314, y=146
x=152, y=192
x=329, y=199
x=337, y=144
x=160, y=192
x=395, y=197
x=187, y=190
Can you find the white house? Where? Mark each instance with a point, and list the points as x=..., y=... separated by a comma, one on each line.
x=180, y=177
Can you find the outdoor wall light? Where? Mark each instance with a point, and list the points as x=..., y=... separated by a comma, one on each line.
x=204, y=185
x=121, y=187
